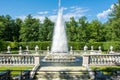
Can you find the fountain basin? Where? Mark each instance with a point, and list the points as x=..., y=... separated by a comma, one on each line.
x=59, y=57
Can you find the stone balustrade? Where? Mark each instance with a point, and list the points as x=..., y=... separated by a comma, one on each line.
x=16, y=59
x=101, y=59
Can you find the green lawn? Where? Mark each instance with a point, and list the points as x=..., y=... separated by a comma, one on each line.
x=16, y=70
x=105, y=69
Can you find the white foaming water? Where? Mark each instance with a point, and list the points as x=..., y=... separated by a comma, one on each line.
x=59, y=43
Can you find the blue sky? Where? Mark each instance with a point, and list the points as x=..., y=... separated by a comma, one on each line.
x=92, y=9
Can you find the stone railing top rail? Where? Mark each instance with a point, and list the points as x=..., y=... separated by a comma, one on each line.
x=19, y=55
x=118, y=54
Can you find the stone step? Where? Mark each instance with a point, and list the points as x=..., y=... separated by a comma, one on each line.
x=62, y=73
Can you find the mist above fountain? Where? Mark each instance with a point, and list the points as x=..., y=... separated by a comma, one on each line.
x=59, y=43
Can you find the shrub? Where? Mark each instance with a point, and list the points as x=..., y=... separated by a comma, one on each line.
x=76, y=45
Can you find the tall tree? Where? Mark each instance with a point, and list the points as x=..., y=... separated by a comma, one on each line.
x=84, y=32
x=2, y=29
x=46, y=30
x=71, y=29
x=16, y=30
x=9, y=26
x=30, y=29
x=96, y=31
x=115, y=21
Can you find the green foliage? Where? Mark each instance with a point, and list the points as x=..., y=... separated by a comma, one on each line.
x=41, y=45
x=44, y=44
x=114, y=22
x=77, y=45
x=31, y=31
x=46, y=30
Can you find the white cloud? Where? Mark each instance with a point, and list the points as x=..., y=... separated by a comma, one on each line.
x=41, y=18
x=43, y=12
x=64, y=8
x=73, y=11
x=53, y=18
x=104, y=14
x=21, y=17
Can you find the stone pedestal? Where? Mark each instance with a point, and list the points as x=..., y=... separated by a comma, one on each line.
x=85, y=60
x=37, y=60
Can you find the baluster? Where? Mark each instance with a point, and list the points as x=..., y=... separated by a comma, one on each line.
x=10, y=61
x=21, y=60
x=115, y=59
x=17, y=60
x=14, y=60
x=3, y=60
x=0, y=60
x=104, y=59
x=31, y=59
x=98, y=60
x=110, y=59
x=119, y=59
x=27, y=59
x=90, y=60
x=7, y=59
x=95, y=58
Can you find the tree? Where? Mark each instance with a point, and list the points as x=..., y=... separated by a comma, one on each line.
x=30, y=29
x=115, y=22
x=84, y=32
x=2, y=29
x=9, y=26
x=16, y=30
x=71, y=29
x=96, y=31
x=46, y=30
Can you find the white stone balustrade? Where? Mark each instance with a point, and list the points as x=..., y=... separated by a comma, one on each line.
x=101, y=59
x=16, y=59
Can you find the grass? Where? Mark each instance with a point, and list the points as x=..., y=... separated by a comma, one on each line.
x=16, y=70
x=105, y=69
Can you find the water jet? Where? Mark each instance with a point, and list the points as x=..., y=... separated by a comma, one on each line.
x=59, y=49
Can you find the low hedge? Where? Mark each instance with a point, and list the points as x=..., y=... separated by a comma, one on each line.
x=43, y=45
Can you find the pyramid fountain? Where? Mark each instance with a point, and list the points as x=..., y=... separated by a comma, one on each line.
x=59, y=50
